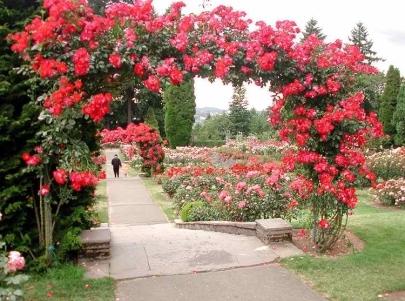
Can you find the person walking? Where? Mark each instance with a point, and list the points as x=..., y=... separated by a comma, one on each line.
x=116, y=163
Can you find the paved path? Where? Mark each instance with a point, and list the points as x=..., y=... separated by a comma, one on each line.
x=264, y=283
x=145, y=245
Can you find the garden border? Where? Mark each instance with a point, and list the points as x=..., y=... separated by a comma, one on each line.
x=267, y=230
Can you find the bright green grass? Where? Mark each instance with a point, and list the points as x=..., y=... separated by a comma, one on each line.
x=102, y=201
x=159, y=197
x=67, y=283
x=379, y=268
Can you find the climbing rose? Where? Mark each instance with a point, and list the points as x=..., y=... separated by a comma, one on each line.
x=60, y=176
x=81, y=61
x=266, y=61
x=44, y=190
x=323, y=224
x=152, y=83
x=31, y=160
x=98, y=107
x=15, y=261
x=115, y=60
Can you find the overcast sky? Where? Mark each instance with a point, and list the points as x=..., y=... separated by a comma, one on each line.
x=384, y=20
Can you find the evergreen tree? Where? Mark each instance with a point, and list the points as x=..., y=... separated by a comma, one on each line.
x=150, y=119
x=359, y=37
x=179, y=104
x=398, y=119
x=389, y=99
x=18, y=126
x=312, y=28
x=239, y=115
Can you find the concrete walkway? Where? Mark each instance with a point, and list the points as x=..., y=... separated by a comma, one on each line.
x=145, y=245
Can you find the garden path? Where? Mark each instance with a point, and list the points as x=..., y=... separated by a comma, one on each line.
x=144, y=244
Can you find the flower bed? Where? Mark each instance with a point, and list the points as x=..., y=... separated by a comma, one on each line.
x=241, y=193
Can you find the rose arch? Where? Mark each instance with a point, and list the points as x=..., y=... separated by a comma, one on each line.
x=82, y=57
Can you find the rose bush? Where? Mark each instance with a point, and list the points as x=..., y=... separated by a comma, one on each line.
x=84, y=56
x=147, y=140
x=388, y=164
x=242, y=193
x=391, y=192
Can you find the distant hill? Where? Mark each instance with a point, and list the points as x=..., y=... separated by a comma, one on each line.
x=202, y=113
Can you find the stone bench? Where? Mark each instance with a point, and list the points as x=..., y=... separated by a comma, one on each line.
x=274, y=229
x=96, y=243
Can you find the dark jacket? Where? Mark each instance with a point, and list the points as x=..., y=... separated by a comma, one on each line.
x=116, y=163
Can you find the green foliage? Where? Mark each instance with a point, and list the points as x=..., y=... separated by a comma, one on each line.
x=150, y=119
x=179, y=113
x=199, y=211
x=68, y=283
x=258, y=123
x=238, y=112
x=213, y=131
x=373, y=86
x=389, y=99
x=18, y=125
x=398, y=119
x=359, y=37
x=312, y=28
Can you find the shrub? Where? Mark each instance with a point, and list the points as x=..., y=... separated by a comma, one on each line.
x=391, y=192
x=388, y=164
x=200, y=211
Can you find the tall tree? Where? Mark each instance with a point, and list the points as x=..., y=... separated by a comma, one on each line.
x=150, y=119
x=398, y=119
x=389, y=99
x=312, y=28
x=18, y=125
x=239, y=115
x=359, y=37
x=179, y=104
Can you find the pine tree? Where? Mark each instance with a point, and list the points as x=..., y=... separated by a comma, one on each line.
x=389, y=99
x=312, y=28
x=150, y=119
x=179, y=104
x=239, y=115
x=398, y=119
x=359, y=37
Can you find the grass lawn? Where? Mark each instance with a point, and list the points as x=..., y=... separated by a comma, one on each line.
x=66, y=283
x=159, y=197
x=379, y=268
x=102, y=201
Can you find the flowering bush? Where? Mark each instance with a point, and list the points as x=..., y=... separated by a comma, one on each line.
x=147, y=140
x=83, y=56
x=242, y=193
x=391, y=192
x=10, y=280
x=388, y=164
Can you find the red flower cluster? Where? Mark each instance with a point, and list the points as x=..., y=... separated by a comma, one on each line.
x=81, y=61
x=98, y=106
x=60, y=175
x=48, y=67
x=66, y=96
x=115, y=60
x=152, y=83
x=31, y=160
x=82, y=179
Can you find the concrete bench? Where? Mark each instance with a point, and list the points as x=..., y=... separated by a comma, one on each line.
x=96, y=243
x=274, y=229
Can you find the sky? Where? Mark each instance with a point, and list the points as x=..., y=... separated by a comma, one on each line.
x=384, y=20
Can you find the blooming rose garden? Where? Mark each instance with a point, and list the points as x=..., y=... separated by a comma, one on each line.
x=311, y=172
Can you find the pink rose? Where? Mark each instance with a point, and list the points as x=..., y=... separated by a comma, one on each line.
x=15, y=261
